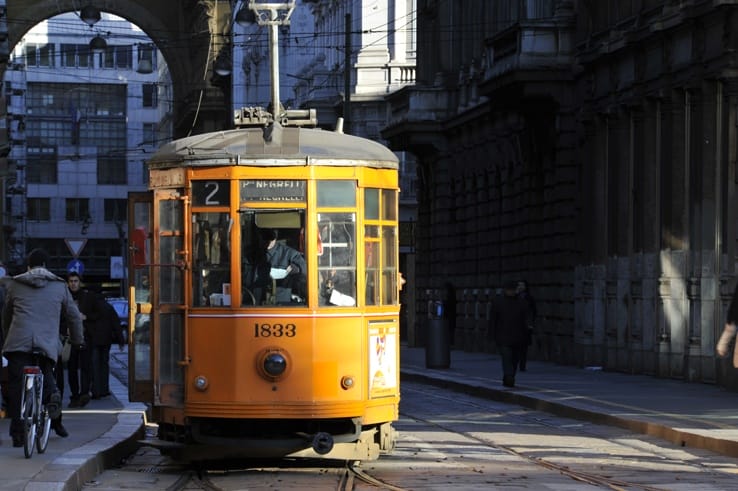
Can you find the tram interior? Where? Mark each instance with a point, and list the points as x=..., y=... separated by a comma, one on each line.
x=265, y=283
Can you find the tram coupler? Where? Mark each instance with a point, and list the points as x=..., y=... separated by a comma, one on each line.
x=322, y=443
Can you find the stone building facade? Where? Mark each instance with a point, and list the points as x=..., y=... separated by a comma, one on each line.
x=590, y=148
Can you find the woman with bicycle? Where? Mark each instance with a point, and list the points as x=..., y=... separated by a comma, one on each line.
x=34, y=301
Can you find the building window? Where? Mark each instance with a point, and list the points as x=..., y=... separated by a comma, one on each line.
x=39, y=209
x=41, y=167
x=78, y=209
x=116, y=210
x=39, y=54
x=117, y=57
x=149, y=133
x=147, y=53
x=111, y=169
x=149, y=95
x=76, y=55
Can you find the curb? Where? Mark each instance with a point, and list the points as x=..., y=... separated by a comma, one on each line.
x=73, y=469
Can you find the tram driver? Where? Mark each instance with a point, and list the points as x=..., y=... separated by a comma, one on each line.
x=287, y=268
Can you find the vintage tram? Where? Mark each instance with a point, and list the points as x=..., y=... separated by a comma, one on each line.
x=237, y=355
x=264, y=288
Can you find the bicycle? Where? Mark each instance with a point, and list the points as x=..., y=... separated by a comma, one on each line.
x=34, y=414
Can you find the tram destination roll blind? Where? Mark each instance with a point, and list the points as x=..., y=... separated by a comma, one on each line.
x=274, y=190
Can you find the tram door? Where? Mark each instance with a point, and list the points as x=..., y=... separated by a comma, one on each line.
x=168, y=313
x=140, y=230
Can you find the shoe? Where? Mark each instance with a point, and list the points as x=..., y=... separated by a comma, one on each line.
x=84, y=399
x=54, y=406
x=59, y=429
x=17, y=441
x=74, y=402
x=508, y=381
x=523, y=369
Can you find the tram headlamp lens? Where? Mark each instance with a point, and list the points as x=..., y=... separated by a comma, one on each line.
x=275, y=364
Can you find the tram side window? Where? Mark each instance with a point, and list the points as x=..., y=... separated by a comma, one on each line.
x=337, y=259
x=273, y=266
x=380, y=239
x=211, y=275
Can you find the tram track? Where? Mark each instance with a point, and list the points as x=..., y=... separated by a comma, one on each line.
x=525, y=417
x=295, y=474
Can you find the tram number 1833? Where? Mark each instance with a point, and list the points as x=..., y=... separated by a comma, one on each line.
x=275, y=330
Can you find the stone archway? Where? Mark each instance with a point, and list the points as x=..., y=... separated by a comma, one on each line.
x=189, y=33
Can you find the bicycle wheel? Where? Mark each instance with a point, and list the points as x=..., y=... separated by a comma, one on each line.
x=42, y=432
x=29, y=425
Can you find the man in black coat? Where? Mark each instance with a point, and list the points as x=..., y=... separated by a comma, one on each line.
x=510, y=320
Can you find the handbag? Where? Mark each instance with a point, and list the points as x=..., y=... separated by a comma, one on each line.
x=66, y=351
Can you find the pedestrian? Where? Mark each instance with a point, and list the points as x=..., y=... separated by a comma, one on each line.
x=59, y=367
x=79, y=365
x=107, y=331
x=34, y=302
x=729, y=330
x=525, y=296
x=510, y=319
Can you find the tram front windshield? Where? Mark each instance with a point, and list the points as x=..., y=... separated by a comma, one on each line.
x=273, y=265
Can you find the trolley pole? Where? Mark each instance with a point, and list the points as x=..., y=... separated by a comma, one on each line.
x=347, y=79
x=273, y=14
x=274, y=55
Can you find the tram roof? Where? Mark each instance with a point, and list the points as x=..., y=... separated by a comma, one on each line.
x=273, y=146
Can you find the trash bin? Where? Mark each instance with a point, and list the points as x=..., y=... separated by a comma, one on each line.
x=437, y=346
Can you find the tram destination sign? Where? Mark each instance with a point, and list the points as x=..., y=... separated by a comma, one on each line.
x=272, y=190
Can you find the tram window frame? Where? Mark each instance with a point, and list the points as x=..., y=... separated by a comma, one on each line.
x=380, y=237
x=259, y=288
x=337, y=258
x=337, y=253
x=211, y=260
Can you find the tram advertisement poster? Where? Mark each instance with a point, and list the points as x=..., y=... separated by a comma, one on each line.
x=382, y=359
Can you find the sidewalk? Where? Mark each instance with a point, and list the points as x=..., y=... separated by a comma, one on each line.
x=100, y=435
x=688, y=414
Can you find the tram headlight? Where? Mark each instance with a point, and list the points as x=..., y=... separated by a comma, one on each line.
x=201, y=382
x=273, y=364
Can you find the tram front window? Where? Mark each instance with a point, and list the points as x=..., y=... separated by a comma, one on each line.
x=273, y=266
x=211, y=275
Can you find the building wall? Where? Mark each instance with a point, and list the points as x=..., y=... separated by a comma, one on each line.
x=591, y=151
x=79, y=139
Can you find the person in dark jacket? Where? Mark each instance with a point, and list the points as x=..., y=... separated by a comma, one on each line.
x=34, y=303
x=510, y=319
x=106, y=332
x=525, y=296
x=79, y=365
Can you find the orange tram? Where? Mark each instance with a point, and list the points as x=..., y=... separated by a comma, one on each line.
x=237, y=352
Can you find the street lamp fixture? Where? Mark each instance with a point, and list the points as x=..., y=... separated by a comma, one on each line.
x=98, y=44
x=90, y=15
x=223, y=65
x=245, y=17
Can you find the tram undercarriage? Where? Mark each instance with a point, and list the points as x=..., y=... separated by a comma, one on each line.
x=209, y=439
